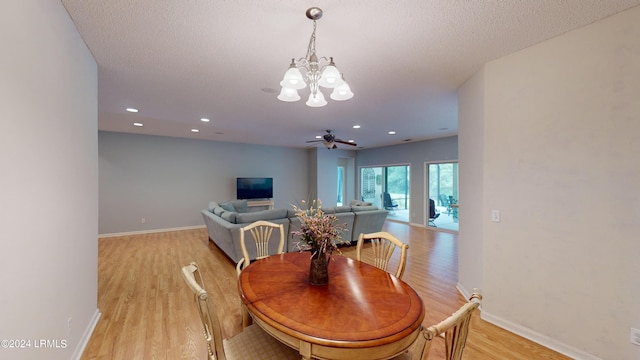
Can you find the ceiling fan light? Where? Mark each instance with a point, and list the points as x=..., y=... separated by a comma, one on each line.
x=288, y=95
x=330, y=77
x=342, y=92
x=293, y=78
x=316, y=100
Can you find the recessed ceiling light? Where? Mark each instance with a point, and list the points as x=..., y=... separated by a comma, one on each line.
x=132, y=110
x=392, y=132
x=137, y=124
x=205, y=120
x=356, y=126
x=318, y=137
x=195, y=130
x=351, y=140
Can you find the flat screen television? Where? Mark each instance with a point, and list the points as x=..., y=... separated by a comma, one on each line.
x=254, y=188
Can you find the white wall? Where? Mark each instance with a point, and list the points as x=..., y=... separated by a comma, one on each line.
x=49, y=181
x=561, y=145
x=471, y=184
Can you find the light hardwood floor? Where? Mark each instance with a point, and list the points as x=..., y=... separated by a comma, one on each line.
x=148, y=313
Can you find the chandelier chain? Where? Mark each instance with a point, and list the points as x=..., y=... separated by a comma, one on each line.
x=311, y=49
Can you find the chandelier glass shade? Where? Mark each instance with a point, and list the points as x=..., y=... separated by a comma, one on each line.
x=313, y=72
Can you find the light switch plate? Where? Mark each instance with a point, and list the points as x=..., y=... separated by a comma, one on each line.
x=635, y=336
x=495, y=215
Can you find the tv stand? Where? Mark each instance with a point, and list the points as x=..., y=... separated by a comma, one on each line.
x=268, y=203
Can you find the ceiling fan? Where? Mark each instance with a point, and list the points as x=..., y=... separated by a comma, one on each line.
x=329, y=140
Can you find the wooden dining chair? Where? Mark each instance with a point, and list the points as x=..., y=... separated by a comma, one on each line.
x=261, y=232
x=383, y=245
x=453, y=329
x=252, y=343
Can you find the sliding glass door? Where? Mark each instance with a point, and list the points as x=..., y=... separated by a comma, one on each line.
x=392, y=180
x=443, y=190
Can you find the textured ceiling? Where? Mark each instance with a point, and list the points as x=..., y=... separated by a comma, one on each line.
x=178, y=61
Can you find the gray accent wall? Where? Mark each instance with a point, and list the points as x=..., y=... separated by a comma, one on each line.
x=49, y=182
x=167, y=181
x=556, y=128
x=327, y=184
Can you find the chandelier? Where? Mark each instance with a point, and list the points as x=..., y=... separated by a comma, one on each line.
x=315, y=73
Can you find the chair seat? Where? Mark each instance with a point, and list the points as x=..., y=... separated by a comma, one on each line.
x=255, y=344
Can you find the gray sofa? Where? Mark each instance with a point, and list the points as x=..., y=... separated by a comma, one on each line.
x=224, y=221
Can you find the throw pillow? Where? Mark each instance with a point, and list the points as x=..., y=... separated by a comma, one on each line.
x=360, y=203
x=240, y=205
x=228, y=206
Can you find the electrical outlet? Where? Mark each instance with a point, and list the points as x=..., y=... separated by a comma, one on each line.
x=143, y=220
x=635, y=336
x=495, y=215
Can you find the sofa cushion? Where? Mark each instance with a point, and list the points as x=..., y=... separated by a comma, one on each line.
x=244, y=218
x=360, y=203
x=292, y=213
x=364, y=208
x=342, y=209
x=337, y=209
x=230, y=216
x=228, y=206
x=329, y=210
x=218, y=210
x=239, y=205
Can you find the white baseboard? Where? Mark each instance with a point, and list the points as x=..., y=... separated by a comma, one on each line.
x=84, y=340
x=538, y=338
x=529, y=334
x=463, y=291
x=100, y=236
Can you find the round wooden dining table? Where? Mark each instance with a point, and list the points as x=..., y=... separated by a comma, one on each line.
x=362, y=313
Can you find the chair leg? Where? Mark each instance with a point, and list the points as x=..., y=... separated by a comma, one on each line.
x=246, y=318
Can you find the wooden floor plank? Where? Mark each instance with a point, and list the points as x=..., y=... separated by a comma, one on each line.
x=148, y=313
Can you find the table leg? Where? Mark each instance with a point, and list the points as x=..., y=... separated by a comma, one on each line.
x=305, y=350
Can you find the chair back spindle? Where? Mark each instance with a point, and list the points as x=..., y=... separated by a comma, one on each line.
x=383, y=245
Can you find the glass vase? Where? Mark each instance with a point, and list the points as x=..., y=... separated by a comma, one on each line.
x=319, y=269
